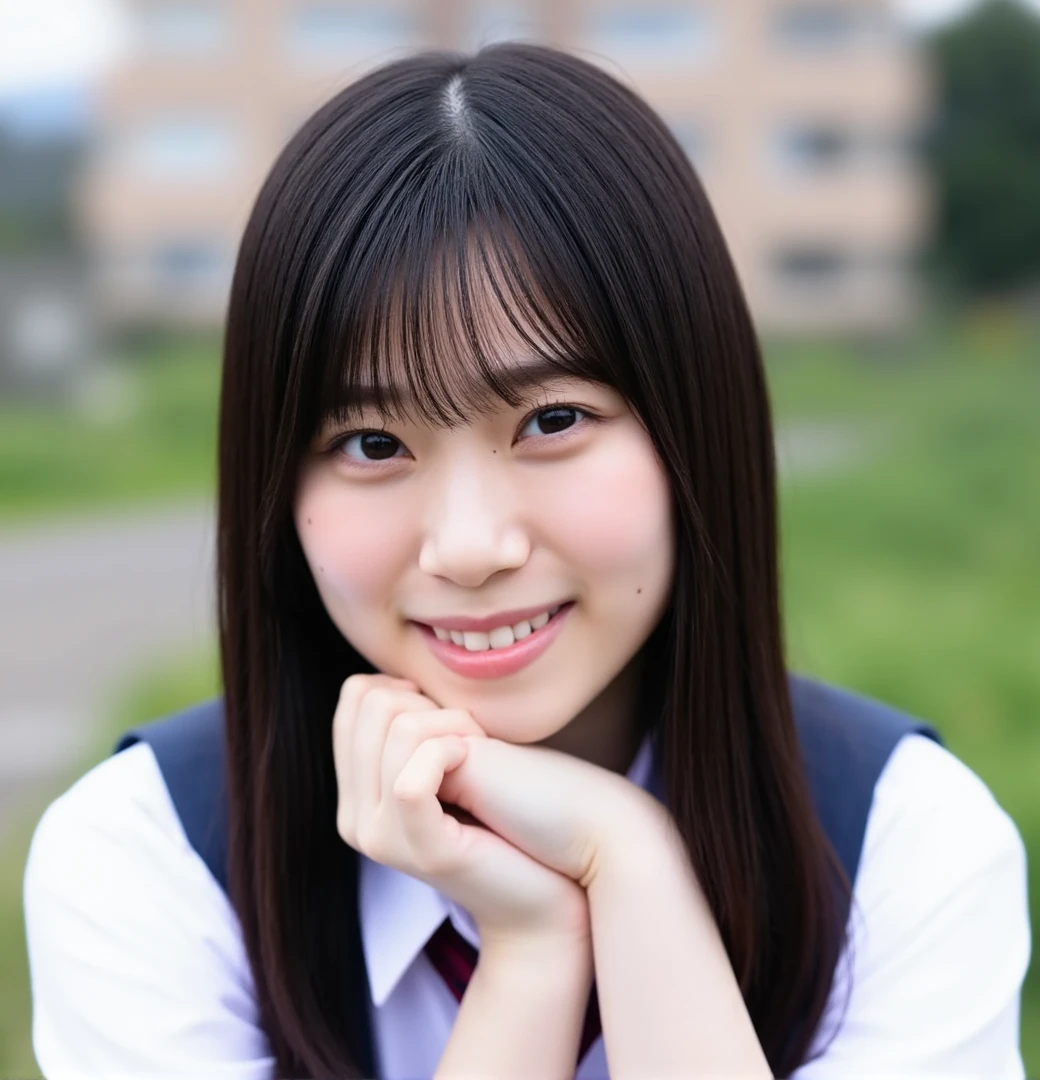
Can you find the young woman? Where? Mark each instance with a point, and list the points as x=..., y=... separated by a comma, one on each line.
x=502, y=664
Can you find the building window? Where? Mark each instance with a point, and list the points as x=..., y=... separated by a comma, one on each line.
x=331, y=31
x=810, y=266
x=184, y=148
x=801, y=147
x=819, y=25
x=649, y=31
x=183, y=29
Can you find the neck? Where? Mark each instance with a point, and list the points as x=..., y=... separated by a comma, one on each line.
x=608, y=731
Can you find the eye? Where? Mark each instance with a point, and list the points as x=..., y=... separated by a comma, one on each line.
x=370, y=446
x=555, y=420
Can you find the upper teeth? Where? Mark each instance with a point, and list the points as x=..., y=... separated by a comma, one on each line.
x=499, y=638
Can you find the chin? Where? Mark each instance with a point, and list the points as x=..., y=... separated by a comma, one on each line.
x=516, y=717
x=519, y=724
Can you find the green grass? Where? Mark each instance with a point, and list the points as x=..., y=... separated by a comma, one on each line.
x=146, y=430
x=914, y=575
x=910, y=574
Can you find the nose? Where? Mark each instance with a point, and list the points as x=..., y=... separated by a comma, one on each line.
x=472, y=528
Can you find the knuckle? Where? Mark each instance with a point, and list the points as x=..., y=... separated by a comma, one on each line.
x=464, y=722
x=407, y=793
x=352, y=687
x=446, y=746
x=407, y=726
x=350, y=696
x=372, y=691
x=379, y=698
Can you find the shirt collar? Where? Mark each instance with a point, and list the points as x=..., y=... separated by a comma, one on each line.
x=399, y=913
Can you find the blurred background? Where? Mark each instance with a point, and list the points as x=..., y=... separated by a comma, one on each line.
x=876, y=170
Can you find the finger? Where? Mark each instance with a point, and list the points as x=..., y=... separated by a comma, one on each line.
x=409, y=729
x=344, y=720
x=355, y=686
x=351, y=693
x=344, y=734
x=376, y=712
x=430, y=832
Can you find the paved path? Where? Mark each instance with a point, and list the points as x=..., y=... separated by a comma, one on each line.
x=83, y=605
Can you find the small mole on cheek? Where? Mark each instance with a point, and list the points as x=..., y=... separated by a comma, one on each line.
x=308, y=521
x=639, y=590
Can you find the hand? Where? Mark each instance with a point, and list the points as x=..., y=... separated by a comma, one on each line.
x=567, y=813
x=393, y=748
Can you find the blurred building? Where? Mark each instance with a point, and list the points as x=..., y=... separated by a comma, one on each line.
x=46, y=343
x=800, y=116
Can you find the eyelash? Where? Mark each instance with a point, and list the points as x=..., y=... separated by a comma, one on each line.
x=341, y=440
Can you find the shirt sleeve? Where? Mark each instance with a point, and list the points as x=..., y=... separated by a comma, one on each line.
x=135, y=954
x=940, y=937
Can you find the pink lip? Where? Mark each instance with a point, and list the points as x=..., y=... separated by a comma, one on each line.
x=496, y=663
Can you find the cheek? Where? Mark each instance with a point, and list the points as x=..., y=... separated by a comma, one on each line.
x=353, y=560
x=613, y=512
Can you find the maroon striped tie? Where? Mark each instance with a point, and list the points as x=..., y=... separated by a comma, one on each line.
x=453, y=956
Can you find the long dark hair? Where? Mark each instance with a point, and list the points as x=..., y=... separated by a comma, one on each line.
x=380, y=223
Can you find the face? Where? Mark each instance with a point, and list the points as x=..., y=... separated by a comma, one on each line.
x=561, y=501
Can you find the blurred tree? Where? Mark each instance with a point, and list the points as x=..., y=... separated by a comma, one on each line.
x=985, y=150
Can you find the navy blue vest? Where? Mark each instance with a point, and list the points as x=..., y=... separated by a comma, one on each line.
x=845, y=741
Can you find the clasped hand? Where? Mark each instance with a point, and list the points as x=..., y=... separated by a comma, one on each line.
x=535, y=826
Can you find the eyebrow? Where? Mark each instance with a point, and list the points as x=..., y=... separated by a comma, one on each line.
x=515, y=379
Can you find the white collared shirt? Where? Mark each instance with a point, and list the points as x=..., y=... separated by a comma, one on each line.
x=139, y=970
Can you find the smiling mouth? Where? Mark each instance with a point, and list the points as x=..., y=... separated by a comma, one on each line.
x=495, y=661
x=499, y=639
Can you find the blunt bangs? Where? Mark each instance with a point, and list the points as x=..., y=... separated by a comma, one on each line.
x=454, y=313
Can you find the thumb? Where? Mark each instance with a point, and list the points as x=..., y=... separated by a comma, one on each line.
x=454, y=788
x=471, y=784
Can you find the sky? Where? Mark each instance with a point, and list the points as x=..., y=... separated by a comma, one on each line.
x=50, y=46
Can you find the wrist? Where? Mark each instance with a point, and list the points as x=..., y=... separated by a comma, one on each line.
x=564, y=959
x=635, y=836
x=522, y=1012
x=560, y=921
x=569, y=934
